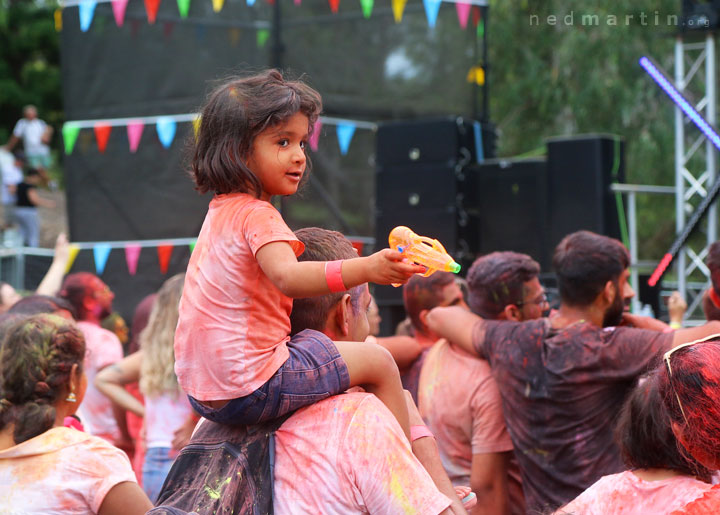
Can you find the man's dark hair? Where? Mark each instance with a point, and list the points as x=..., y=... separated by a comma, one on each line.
x=497, y=279
x=421, y=293
x=644, y=433
x=234, y=114
x=36, y=304
x=584, y=262
x=322, y=245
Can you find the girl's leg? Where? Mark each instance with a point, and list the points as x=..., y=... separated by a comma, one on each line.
x=372, y=367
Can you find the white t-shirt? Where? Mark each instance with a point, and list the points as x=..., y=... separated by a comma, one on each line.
x=163, y=415
x=31, y=132
x=62, y=471
x=347, y=454
x=11, y=176
x=96, y=410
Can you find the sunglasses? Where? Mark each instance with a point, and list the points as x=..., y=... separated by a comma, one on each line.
x=541, y=300
x=668, y=365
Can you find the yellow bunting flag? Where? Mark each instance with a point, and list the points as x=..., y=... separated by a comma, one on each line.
x=196, y=126
x=398, y=6
x=58, y=20
x=72, y=254
x=476, y=74
x=217, y=5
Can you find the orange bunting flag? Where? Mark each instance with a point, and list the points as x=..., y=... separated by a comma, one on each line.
x=102, y=134
x=334, y=5
x=398, y=7
x=151, y=7
x=164, y=253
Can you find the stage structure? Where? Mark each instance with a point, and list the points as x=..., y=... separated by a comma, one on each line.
x=135, y=72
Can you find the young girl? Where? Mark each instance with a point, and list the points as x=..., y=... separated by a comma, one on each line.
x=234, y=357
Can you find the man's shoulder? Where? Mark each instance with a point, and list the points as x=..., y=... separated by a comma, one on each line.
x=95, y=333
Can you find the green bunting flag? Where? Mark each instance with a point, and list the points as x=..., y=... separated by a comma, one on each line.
x=183, y=7
x=262, y=37
x=367, y=7
x=70, y=133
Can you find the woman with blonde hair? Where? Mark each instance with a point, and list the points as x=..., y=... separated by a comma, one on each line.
x=167, y=410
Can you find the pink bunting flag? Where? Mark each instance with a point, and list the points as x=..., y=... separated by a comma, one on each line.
x=463, y=13
x=164, y=253
x=298, y=2
x=118, y=7
x=132, y=254
x=315, y=136
x=134, y=132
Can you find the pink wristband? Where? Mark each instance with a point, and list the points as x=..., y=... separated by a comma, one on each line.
x=419, y=432
x=333, y=276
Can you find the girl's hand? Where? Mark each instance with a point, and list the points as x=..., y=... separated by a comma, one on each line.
x=390, y=267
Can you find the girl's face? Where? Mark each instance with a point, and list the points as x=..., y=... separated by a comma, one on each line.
x=277, y=156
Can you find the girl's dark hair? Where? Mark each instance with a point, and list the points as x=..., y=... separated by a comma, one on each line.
x=36, y=356
x=645, y=436
x=234, y=114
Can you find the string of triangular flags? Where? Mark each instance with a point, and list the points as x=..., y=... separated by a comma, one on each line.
x=86, y=10
x=101, y=252
x=166, y=127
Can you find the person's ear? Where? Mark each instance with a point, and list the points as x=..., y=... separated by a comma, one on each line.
x=512, y=312
x=342, y=315
x=609, y=292
x=422, y=316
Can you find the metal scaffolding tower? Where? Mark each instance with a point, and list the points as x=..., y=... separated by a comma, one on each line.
x=695, y=171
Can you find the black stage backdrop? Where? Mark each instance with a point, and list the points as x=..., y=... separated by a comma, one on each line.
x=366, y=69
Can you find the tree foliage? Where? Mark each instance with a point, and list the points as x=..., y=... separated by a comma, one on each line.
x=29, y=63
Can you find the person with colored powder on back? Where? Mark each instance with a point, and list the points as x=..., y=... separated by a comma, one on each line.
x=92, y=300
x=458, y=397
x=345, y=454
x=562, y=379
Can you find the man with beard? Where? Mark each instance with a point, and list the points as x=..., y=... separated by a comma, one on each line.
x=563, y=379
x=92, y=300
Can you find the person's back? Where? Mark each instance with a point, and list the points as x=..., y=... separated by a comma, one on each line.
x=659, y=478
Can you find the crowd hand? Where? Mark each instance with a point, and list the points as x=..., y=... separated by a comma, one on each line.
x=62, y=248
x=390, y=267
x=676, y=307
x=642, y=322
x=463, y=492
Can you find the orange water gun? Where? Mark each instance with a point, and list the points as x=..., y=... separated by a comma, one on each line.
x=422, y=251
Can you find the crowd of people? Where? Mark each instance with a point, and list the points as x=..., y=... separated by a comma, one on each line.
x=257, y=381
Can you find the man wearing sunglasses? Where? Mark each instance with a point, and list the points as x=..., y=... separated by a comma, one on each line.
x=458, y=397
x=563, y=378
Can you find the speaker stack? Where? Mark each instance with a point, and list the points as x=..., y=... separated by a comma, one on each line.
x=429, y=179
x=420, y=183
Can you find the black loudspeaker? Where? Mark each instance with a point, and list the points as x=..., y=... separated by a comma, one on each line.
x=580, y=172
x=420, y=184
x=508, y=198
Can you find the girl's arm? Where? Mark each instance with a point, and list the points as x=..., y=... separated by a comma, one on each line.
x=111, y=380
x=307, y=278
x=52, y=282
x=125, y=498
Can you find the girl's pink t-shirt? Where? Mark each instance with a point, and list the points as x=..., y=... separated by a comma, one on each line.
x=234, y=322
x=627, y=494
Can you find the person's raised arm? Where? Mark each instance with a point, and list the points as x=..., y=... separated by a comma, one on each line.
x=308, y=278
x=455, y=324
x=695, y=333
x=112, y=379
x=488, y=479
x=51, y=283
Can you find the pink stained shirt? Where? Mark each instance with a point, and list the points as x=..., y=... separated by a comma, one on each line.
x=164, y=414
x=234, y=322
x=96, y=413
x=61, y=471
x=357, y=460
x=461, y=405
x=627, y=494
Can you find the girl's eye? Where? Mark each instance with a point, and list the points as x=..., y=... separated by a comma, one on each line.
x=303, y=144
x=284, y=143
